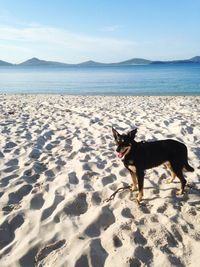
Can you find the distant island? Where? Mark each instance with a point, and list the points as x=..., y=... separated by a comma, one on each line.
x=35, y=62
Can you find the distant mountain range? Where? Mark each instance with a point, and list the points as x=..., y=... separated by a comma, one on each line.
x=4, y=63
x=35, y=62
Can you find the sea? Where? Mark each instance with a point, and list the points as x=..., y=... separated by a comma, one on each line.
x=153, y=79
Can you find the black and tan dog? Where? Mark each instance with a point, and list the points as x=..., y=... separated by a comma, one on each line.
x=139, y=156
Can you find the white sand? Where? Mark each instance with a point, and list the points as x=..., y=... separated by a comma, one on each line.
x=58, y=165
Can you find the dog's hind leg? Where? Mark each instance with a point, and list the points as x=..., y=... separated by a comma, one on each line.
x=183, y=183
x=140, y=178
x=170, y=180
x=179, y=173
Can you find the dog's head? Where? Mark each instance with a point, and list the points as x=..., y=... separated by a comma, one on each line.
x=124, y=142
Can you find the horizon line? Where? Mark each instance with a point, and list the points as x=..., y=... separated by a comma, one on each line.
x=93, y=61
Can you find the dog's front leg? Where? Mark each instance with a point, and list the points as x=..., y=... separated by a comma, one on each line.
x=134, y=180
x=132, y=171
x=140, y=178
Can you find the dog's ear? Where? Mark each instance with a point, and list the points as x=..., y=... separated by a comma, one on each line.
x=115, y=134
x=132, y=133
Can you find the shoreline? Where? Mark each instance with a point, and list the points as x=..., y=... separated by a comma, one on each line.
x=58, y=165
x=186, y=94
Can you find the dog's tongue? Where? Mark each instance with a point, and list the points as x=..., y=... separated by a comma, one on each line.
x=120, y=155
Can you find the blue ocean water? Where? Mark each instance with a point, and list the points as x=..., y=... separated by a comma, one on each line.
x=158, y=79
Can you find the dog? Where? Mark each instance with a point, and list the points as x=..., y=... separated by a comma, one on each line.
x=140, y=156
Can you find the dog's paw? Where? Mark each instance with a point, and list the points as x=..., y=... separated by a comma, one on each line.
x=133, y=187
x=179, y=192
x=139, y=197
x=169, y=181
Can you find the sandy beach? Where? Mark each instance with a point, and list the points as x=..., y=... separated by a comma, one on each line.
x=58, y=165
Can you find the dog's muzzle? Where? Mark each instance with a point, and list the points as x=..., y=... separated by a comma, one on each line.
x=121, y=154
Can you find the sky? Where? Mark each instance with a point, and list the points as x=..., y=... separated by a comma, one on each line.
x=74, y=31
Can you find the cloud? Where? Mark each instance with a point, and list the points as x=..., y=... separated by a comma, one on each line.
x=18, y=43
x=111, y=28
x=71, y=46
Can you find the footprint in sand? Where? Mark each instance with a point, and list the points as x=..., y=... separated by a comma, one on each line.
x=123, y=172
x=47, y=212
x=126, y=212
x=162, y=237
x=12, y=162
x=11, y=207
x=50, y=174
x=60, y=162
x=162, y=208
x=104, y=220
x=82, y=261
x=117, y=242
x=73, y=178
x=5, y=181
x=10, y=145
x=16, y=197
x=7, y=230
x=11, y=169
x=78, y=206
x=98, y=254
x=37, y=202
x=28, y=172
x=144, y=254
x=40, y=142
x=49, y=146
x=109, y=179
x=49, y=254
x=39, y=167
x=139, y=238
x=96, y=198
x=35, y=153
x=31, y=179
x=37, y=187
x=29, y=258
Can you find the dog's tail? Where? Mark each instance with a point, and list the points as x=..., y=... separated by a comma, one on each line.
x=188, y=167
